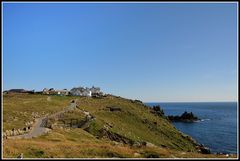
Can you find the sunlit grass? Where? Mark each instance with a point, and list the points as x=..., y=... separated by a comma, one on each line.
x=78, y=143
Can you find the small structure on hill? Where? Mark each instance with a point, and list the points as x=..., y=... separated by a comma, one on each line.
x=88, y=92
x=57, y=92
x=45, y=91
x=76, y=91
x=19, y=91
x=80, y=91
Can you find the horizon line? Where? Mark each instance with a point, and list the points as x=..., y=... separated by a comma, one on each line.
x=235, y=101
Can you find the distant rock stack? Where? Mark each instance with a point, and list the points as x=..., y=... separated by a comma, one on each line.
x=185, y=117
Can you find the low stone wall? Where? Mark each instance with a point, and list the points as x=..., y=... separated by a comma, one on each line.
x=15, y=132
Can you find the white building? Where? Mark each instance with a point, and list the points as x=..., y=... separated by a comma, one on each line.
x=80, y=91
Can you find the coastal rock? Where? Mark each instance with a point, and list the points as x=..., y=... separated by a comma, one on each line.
x=202, y=149
x=157, y=110
x=185, y=117
x=205, y=150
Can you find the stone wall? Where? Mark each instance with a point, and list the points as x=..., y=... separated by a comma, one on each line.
x=15, y=132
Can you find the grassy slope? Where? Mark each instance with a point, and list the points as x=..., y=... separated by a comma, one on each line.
x=129, y=122
x=79, y=143
x=15, y=104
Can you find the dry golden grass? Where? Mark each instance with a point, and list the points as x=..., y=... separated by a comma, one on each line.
x=77, y=143
x=14, y=106
x=59, y=144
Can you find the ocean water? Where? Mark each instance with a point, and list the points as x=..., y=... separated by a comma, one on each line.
x=217, y=128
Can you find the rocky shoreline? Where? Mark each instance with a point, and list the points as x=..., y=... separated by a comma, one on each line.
x=187, y=117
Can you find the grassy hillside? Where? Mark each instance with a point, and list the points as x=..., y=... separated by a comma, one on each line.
x=77, y=143
x=20, y=108
x=133, y=121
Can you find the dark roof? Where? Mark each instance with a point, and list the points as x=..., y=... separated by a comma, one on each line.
x=16, y=90
x=20, y=91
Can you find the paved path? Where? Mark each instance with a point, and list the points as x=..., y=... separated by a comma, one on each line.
x=39, y=126
x=37, y=130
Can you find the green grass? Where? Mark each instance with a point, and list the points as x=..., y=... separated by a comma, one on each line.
x=77, y=143
x=16, y=104
x=130, y=122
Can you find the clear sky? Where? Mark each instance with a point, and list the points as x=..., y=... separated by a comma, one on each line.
x=152, y=52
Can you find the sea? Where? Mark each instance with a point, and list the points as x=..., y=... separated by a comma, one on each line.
x=217, y=128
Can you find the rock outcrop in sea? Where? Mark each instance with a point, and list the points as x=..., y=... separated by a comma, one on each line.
x=185, y=117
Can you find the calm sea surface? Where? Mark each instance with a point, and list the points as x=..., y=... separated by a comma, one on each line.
x=217, y=128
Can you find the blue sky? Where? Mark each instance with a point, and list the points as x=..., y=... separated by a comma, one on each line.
x=147, y=51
